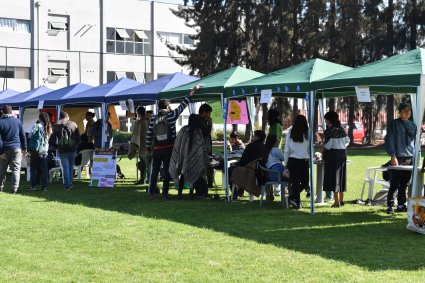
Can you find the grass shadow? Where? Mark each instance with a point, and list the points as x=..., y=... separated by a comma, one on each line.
x=361, y=236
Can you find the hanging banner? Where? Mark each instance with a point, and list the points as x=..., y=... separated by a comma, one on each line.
x=237, y=112
x=266, y=96
x=104, y=168
x=363, y=94
x=40, y=104
x=216, y=114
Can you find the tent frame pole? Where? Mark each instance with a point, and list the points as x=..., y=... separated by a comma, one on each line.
x=311, y=144
x=226, y=172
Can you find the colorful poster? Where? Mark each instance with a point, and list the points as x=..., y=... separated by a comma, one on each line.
x=104, y=168
x=217, y=112
x=237, y=112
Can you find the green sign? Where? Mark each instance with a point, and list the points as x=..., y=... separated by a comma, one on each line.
x=217, y=112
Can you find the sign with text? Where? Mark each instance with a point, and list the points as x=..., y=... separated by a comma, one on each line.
x=40, y=104
x=104, y=168
x=237, y=112
x=266, y=96
x=123, y=105
x=363, y=94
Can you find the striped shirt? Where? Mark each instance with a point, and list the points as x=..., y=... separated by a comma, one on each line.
x=172, y=117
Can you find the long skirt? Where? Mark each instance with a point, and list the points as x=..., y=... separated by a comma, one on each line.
x=335, y=175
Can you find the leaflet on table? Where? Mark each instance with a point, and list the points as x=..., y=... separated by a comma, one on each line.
x=104, y=168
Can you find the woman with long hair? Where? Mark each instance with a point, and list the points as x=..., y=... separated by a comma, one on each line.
x=296, y=157
x=335, y=158
x=273, y=157
x=40, y=134
x=190, y=157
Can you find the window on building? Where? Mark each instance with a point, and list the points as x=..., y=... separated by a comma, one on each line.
x=15, y=25
x=137, y=76
x=128, y=41
x=7, y=72
x=14, y=72
x=58, y=72
x=58, y=26
x=176, y=38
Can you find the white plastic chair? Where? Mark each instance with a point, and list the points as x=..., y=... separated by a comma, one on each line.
x=86, y=155
x=371, y=181
x=55, y=173
x=25, y=163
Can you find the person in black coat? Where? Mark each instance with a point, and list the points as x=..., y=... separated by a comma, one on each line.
x=253, y=151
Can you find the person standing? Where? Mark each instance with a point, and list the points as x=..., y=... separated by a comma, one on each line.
x=160, y=141
x=335, y=158
x=13, y=147
x=400, y=144
x=65, y=138
x=138, y=143
x=275, y=125
x=296, y=159
x=97, y=133
x=89, y=126
x=38, y=147
x=204, y=112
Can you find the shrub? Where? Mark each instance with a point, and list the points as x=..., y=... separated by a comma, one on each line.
x=121, y=137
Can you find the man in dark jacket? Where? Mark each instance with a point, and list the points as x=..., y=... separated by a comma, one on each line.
x=13, y=146
x=253, y=151
x=161, y=147
x=400, y=144
x=65, y=138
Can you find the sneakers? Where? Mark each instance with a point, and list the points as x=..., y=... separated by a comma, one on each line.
x=44, y=189
x=390, y=210
x=294, y=204
x=32, y=189
x=401, y=208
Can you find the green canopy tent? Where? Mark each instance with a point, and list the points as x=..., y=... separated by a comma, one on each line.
x=212, y=87
x=295, y=81
x=403, y=73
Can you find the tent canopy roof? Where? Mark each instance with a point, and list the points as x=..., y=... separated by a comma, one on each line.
x=397, y=74
x=17, y=99
x=213, y=85
x=54, y=97
x=97, y=94
x=7, y=93
x=150, y=90
x=289, y=81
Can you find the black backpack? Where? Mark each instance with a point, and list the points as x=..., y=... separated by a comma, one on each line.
x=66, y=141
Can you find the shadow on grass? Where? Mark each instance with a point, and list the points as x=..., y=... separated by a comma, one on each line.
x=366, y=238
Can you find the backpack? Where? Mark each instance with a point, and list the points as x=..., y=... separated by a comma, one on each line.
x=160, y=131
x=66, y=140
x=36, y=142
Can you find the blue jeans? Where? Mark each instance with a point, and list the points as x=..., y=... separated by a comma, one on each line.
x=67, y=160
x=277, y=167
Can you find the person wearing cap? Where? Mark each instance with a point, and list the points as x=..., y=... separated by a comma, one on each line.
x=138, y=143
x=400, y=144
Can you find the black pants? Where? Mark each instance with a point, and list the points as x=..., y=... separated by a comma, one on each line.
x=38, y=170
x=299, y=177
x=398, y=182
x=161, y=156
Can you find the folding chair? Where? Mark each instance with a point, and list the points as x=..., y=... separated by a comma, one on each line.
x=279, y=182
x=86, y=156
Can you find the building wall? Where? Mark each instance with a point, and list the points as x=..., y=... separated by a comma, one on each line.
x=76, y=50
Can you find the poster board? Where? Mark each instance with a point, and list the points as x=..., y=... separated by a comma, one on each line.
x=237, y=112
x=104, y=168
x=416, y=215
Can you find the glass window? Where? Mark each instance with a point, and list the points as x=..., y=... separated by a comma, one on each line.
x=147, y=49
x=22, y=73
x=7, y=73
x=110, y=33
x=119, y=47
x=110, y=76
x=175, y=38
x=187, y=39
x=110, y=46
x=138, y=48
x=129, y=47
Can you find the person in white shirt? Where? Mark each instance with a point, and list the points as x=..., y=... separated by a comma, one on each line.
x=273, y=157
x=296, y=158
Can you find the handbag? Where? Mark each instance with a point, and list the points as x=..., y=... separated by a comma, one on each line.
x=386, y=175
x=245, y=177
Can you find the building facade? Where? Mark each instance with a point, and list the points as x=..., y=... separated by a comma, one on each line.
x=56, y=43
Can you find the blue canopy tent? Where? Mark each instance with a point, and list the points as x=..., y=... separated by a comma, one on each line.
x=16, y=99
x=150, y=90
x=8, y=93
x=54, y=97
x=96, y=95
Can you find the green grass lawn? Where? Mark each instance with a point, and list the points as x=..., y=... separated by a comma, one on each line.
x=117, y=235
